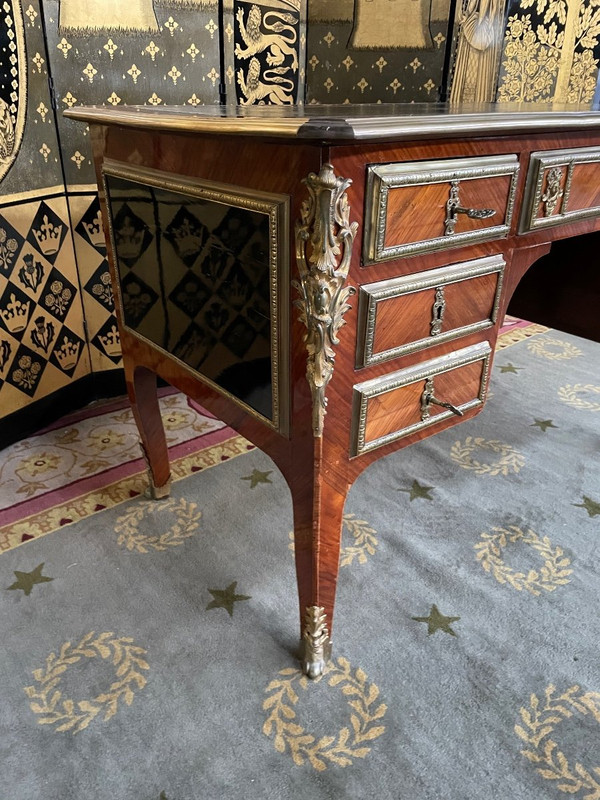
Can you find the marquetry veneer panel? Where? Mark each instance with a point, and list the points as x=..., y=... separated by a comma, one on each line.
x=392, y=406
x=424, y=206
x=562, y=186
x=402, y=315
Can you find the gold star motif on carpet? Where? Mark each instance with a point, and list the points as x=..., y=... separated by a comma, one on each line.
x=436, y=621
x=258, y=477
x=543, y=424
x=27, y=580
x=509, y=368
x=417, y=490
x=591, y=506
x=225, y=598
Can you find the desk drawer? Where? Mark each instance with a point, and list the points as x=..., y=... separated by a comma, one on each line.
x=422, y=206
x=397, y=405
x=562, y=186
x=402, y=315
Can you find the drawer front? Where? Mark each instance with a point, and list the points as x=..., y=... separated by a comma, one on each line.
x=424, y=206
x=403, y=315
x=396, y=405
x=562, y=186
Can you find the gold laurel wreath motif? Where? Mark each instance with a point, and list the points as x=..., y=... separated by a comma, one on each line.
x=365, y=541
x=128, y=525
x=539, y=722
x=568, y=394
x=341, y=748
x=510, y=459
x=540, y=346
x=554, y=573
x=53, y=708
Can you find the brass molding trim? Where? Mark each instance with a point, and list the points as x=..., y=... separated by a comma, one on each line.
x=363, y=392
x=370, y=295
x=315, y=641
x=277, y=208
x=547, y=161
x=324, y=238
x=381, y=178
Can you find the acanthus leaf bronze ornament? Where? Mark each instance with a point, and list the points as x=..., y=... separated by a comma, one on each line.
x=317, y=646
x=553, y=191
x=324, y=238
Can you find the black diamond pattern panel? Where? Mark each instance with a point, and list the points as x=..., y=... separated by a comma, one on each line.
x=47, y=232
x=67, y=351
x=15, y=310
x=57, y=295
x=189, y=295
x=10, y=245
x=132, y=235
x=187, y=235
x=138, y=298
x=99, y=286
x=26, y=370
x=90, y=226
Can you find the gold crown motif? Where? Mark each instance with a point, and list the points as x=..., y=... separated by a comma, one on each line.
x=15, y=314
x=111, y=342
x=94, y=230
x=129, y=240
x=48, y=236
x=187, y=240
x=67, y=354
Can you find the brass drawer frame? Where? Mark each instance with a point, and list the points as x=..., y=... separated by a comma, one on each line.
x=383, y=177
x=372, y=294
x=541, y=161
x=363, y=392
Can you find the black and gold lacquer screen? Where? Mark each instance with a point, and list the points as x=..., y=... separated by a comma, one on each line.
x=195, y=279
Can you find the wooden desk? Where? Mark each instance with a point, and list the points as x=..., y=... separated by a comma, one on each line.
x=329, y=281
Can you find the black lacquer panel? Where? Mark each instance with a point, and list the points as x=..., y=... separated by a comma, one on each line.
x=194, y=279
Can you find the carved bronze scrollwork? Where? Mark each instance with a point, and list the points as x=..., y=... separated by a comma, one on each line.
x=553, y=191
x=324, y=238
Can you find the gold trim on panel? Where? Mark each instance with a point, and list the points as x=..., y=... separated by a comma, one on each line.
x=363, y=392
x=324, y=238
x=372, y=294
x=276, y=206
x=383, y=177
x=545, y=162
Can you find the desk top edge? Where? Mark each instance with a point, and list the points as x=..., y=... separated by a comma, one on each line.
x=343, y=123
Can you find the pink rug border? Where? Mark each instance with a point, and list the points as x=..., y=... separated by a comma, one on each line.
x=77, y=488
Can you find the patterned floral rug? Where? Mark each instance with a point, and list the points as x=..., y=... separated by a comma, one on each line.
x=149, y=647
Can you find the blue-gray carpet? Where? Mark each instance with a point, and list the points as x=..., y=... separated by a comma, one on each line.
x=148, y=651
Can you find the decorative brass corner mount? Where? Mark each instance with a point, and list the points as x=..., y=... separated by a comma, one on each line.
x=315, y=637
x=324, y=238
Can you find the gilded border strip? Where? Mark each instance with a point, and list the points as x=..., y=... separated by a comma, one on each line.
x=539, y=163
x=276, y=206
x=374, y=293
x=383, y=177
x=364, y=392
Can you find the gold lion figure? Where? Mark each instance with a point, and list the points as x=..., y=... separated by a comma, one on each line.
x=259, y=92
x=280, y=43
